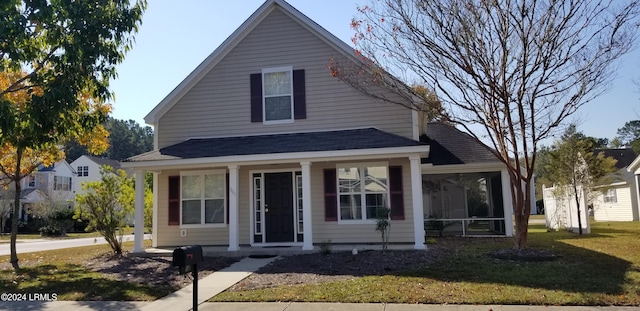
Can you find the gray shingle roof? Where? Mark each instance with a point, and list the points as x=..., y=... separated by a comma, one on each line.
x=103, y=161
x=452, y=146
x=369, y=138
x=624, y=156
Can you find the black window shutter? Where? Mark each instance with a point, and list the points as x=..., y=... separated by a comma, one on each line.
x=330, y=196
x=299, y=96
x=174, y=200
x=395, y=191
x=256, y=97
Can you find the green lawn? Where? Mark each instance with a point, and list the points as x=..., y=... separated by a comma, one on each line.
x=602, y=268
x=62, y=272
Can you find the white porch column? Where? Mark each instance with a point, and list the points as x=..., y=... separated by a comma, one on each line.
x=138, y=237
x=416, y=198
x=234, y=223
x=306, y=206
x=507, y=204
x=154, y=230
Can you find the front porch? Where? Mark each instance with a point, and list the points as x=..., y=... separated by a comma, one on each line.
x=248, y=194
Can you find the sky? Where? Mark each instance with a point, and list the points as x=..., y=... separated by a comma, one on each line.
x=176, y=36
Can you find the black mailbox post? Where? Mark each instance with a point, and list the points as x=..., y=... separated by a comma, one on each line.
x=187, y=258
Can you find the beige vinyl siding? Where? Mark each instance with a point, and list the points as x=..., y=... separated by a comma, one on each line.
x=619, y=211
x=219, y=104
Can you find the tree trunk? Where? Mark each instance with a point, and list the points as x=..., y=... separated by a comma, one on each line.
x=521, y=210
x=577, y=198
x=16, y=211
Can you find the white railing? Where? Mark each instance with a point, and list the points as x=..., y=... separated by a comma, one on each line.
x=464, y=221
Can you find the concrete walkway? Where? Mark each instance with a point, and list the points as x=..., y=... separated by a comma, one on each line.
x=209, y=286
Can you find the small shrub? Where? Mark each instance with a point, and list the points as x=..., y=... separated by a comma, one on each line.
x=50, y=231
x=431, y=241
x=325, y=247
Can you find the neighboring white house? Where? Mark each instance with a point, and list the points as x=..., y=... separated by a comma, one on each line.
x=54, y=182
x=88, y=169
x=617, y=201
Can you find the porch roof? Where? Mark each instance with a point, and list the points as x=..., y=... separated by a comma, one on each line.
x=354, y=139
x=452, y=146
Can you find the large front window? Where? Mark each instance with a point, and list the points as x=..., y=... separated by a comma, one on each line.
x=278, y=94
x=61, y=183
x=203, y=196
x=363, y=191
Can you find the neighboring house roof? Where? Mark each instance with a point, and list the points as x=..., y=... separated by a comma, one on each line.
x=52, y=167
x=234, y=39
x=624, y=156
x=25, y=192
x=103, y=161
x=368, y=138
x=452, y=146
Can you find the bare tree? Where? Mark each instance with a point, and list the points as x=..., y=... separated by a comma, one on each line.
x=508, y=72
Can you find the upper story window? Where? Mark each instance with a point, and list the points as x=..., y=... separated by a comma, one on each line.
x=83, y=171
x=278, y=94
x=32, y=181
x=610, y=196
x=61, y=183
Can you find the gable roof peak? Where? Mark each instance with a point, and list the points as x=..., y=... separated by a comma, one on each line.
x=232, y=41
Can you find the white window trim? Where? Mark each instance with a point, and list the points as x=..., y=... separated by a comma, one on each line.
x=363, y=206
x=610, y=194
x=264, y=113
x=201, y=225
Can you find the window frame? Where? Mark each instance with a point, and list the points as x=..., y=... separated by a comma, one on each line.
x=57, y=180
x=203, y=198
x=362, y=193
x=289, y=70
x=82, y=171
x=610, y=196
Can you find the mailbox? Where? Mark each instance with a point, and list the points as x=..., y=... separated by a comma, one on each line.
x=186, y=257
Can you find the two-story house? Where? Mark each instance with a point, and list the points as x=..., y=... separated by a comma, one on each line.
x=88, y=169
x=52, y=183
x=261, y=146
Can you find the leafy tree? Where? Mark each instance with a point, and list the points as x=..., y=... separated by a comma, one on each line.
x=573, y=164
x=508, y=72
x=56, y=60
x=127, y=138
x=106, y=205
x=629, y=135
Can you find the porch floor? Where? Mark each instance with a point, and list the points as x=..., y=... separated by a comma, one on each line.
x=245, y=251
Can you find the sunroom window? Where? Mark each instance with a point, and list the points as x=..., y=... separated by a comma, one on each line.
x=278, y=94
x=363, y=191
x=203, y=198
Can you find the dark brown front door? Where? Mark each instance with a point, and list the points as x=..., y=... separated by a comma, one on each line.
x=278, y=207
